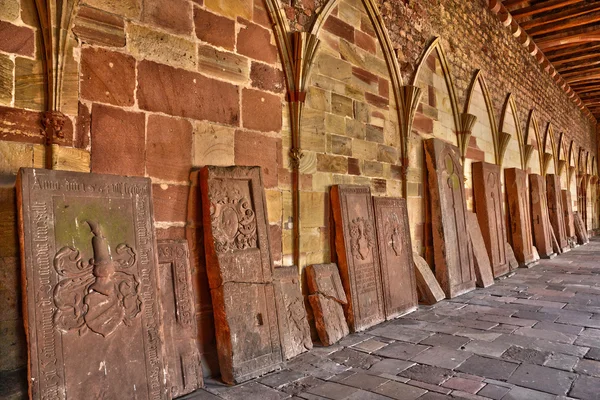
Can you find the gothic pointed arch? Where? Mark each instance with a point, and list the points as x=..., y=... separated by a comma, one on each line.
x=479, y=103
x=550, y=162
x=510, y=136
x=533, y=137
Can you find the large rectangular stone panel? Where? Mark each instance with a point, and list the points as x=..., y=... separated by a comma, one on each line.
x=488, y=207
x=568, y=213
x=555, y=210
x=358, y=255
x=89, y=261
x=481, y=259
x=395, y=253
x=519, y=217
x=182, y=354
x=580, y=231
x=542, y=231
x=293, y=325
x=453, y=256
x=239, y=268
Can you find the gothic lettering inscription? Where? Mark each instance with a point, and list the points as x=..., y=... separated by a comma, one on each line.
x=539, y=216
x=358, y=255
x=395, y=249
x=488, y=207
x=91, y=286
x=453, y=255
x=555, y=210
x=519, y=216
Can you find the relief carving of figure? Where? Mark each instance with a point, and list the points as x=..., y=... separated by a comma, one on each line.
x=361, y=236
x=394, y=229
x=99, y=294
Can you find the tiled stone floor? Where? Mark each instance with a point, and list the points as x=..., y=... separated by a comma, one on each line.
x=534, y=335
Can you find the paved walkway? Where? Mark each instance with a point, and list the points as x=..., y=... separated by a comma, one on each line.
x=534, y=335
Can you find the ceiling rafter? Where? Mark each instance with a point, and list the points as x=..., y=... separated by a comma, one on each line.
x=541, y=7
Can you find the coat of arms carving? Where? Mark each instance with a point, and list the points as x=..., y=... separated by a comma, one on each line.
x=394, y=232
x=362, y=239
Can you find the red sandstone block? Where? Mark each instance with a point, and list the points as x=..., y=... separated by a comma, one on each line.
x=365, y=41
x=260, y=15
x=118, y=141
x=186, y=94
x=339, y=28
x=422, y=123
x=170, y=202
x=475, y=154
x=214, y=29
x=376, y=101
x=20, y=125
x=353, y=166
x=384, y=88
x=107, y=76
x=254, y=41
x=173, y=15
x=99, y=27
x=169, y=148
x=276, y=243
x=261, y=111
x=266, y=78
x=365, y=75
x=366, y=26
x=257, y=149
x=16, y=39
x=82, y=127
x=172, y=233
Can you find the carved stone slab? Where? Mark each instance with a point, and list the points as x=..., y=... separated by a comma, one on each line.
x=483, y=269
x=91, y=282
x=182, y=354
x=239, y=268
x=325, y=279
x=453, y=255
x=358, y=255
x=510, y=255
x=428, y=288
x=568, y=212
x=488, y=206
x=580, y=231
x=395, y=252
x=293, y=325
x=555, y=210
x=518, y=211
x=330, y=321
x=542, y=231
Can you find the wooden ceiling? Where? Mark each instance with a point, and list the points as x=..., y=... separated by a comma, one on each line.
x=567, y=32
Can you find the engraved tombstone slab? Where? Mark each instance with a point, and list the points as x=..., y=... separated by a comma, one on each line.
x=395, y=253
x=358, y=255
x=518, y=211
x=488, y=207
x=568, y=212
x=453, y=255
x=542, y=231
x=182, y=355
x=555, y=210
x=293, y=325
x=483, y=269
x=89, y=261
x=239, y=268
x=580, y=232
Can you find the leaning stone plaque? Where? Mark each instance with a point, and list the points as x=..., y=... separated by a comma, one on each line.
x=239, y=268
x=91, y=281
x=453, y=256
x=488, y=207
x=568, y=213
x=325, y=279
x=358, y=255
x=580, y=231
x=542, y=231
x=182, y=355
x=518, y=211
x=293, y=325
x=555, y=210
x=428, y=288
x=395, y=253
x=483, y=269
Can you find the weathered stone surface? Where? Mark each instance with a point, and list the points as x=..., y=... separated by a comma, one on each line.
x=214, y=29
x=481, y=259
x=519, y=216
x=555, y=210
x=29, y=84
x=488, y=206
x=358, y=255
x=453, y=256
x=325, y=279
x=24, y=126
x=330, y=321
x=126, y=8
x=16, y=39
x=239, y=268
x=567, y=205
x=580, y=231
x=254, y=41
x=261, y=110
x=542, y=234
x=252, y=148
x=395, y=252
x=69, y=159
x=107, y=76
x=184, y=370
x=99, y=27
x=222, y=64
x=9, y=10
x=428, y=288
x=510, y=255
x=150, y=44
x=172, y=15
x=543, y=378
x=165, y=137
x=293, y=325
x=7, y=67
x=266, y=78
x=8, y=223
x=85, y=317
x=213, y=144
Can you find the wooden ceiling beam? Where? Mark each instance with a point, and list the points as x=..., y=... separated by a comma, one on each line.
x=588, y=18
x=514, y=3
x=582, y=77
x=578, y=66
x=570, y=12
x=542, y=7
x=578, y=37
x=558, y=61
x=572, y=50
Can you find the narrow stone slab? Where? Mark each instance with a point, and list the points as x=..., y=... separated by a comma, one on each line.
x=488, y=206
x=483, y=269
x=519, y=216
x=184, y=368
x=330, y=321
x=293, y=325
x=325, y=279
x=239, y=268
x=580, y=231
x=453, y=256
x=555, y=210
x=567, y=206
x=91, y=282
x=358, y=255
x=395, y=251
x=429, y=289
x=542, y=231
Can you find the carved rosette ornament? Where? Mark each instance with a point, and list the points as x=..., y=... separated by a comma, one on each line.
x=232, y=218
x=362, y=238
x=98, y=294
